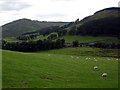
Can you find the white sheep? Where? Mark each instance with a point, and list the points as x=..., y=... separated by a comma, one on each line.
x=71, y=56
x=49, y=55
x=104, y=75
x=108, y=59
x=117, y=59
x=77, y=57
x=95, y=67
x=95, y=60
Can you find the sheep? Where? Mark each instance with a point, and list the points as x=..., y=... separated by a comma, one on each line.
x=104, y=75
x=117, y=59
x=77, y=57
x=49, y=55
x=71, y=56
x=95, y=60
x=108, y=58
x=95, y=67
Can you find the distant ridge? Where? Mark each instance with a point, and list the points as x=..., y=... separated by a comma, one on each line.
x=103, y=22
x=111, y=8
x=24, y=25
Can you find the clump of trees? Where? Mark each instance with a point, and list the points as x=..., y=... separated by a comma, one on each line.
x=75, y=43
x=30, y=46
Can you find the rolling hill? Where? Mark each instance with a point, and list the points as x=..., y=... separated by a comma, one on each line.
x=103, y=22
x=101, y=14
x=21, y=26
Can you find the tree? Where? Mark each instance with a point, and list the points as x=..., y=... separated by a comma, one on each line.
x=75, y=43
x=39, y=45
x=63, y=42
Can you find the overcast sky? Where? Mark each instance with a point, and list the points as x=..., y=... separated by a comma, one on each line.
x=51, y=10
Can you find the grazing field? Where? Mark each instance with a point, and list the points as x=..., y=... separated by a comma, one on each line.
x=58, y=70
x=71, y=38
x=84, y=39
x=84, y=51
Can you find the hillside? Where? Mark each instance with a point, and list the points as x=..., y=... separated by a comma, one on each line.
x=113, y=12
x=103, y=22
x=54, y=70
x=21, y=26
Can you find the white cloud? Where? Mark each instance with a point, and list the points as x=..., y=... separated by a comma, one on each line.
x=119, y=4
x=51, y=15
x=14, y=5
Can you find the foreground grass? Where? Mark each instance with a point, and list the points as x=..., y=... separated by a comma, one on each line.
x=43, y=70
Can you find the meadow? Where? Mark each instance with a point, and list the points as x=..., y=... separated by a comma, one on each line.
x=71, y=38
x=62, y=68
x=86, y=39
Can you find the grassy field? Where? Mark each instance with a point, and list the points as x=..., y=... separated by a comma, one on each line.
x=11, y=39
x=84, y=51
x=83, y=39
x=71, y=38
x=55, y=69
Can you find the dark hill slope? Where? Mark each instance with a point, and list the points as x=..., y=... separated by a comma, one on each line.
x=103, y=22
x=113, y=12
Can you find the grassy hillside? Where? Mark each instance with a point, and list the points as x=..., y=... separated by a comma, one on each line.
x=103, y=22
x=21, y=26
x=104, y=13
x=82, y=39
x=50, y=70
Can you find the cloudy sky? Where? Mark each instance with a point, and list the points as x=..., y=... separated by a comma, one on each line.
x=51, y=10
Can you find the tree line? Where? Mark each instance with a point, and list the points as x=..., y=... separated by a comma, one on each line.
x=47, y=44
x=31, y=46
